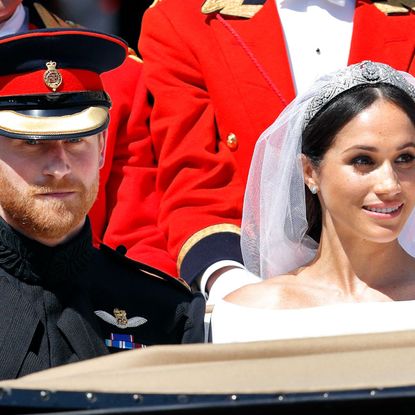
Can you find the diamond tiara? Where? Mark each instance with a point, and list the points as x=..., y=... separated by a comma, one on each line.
x=364, y=73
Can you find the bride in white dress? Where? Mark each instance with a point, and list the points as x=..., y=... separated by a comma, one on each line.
x=330, y=190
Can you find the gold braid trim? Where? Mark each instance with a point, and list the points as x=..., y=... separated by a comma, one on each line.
x=203, y=233
x=134, y=58
x=151, y=274
x=231, y=8
x=51, y=20
x=391, y=7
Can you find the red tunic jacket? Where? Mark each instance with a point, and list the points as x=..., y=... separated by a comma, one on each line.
x=218, y=81
x=127, y=179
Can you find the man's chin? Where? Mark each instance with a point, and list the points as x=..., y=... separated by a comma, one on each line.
x=51, y=226
x=41, y=218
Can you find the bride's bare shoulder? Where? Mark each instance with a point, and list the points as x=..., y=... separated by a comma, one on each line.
x=270, y=293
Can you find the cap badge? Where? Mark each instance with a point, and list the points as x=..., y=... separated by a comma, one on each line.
x=52, y=77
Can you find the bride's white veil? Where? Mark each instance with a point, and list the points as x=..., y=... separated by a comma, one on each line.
x=274, y=223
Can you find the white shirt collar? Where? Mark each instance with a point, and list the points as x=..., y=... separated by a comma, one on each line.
x=323, y=43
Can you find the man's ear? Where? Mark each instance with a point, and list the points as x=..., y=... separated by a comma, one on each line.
x=310, y=174
x=102, y=147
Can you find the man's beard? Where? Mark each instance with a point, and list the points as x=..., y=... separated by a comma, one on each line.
x=46, y=217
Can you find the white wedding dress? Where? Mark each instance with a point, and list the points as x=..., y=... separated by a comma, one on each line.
x=233, y=323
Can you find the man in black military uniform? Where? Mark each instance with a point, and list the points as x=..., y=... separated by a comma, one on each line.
x=61, y=299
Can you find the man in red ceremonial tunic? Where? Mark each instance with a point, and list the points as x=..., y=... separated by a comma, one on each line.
x=220, y=73
x=129, y=156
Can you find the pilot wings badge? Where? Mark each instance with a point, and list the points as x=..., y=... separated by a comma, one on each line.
x=119, y=319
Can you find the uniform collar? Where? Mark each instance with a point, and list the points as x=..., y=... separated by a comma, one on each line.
x=35, y=263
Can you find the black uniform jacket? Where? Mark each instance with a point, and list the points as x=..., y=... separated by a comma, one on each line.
x=73, y=302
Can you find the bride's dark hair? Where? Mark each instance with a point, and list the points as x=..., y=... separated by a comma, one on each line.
x=320, y=133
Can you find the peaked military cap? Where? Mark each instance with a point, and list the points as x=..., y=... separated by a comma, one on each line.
x=50, y=85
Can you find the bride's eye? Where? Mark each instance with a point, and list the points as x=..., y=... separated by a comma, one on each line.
x=362, y=161
x=406, y=158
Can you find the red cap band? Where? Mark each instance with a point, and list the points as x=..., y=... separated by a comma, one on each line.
x=32, y=83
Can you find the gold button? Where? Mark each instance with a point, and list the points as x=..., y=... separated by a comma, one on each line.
x=232, y=141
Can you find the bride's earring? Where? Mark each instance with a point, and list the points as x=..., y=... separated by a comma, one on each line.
x=313, y=189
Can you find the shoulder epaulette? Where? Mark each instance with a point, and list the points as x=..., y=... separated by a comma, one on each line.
x=51, y=20
x=237, y=8
x=391, y=7
x=133, y=55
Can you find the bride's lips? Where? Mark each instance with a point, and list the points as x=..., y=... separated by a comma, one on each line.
x=384, y=210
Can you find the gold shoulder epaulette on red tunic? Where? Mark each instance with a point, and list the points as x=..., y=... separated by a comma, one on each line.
x=51, y=20
x=391, y=7
x=203, y=233
x=238, y=8
x=133, y=55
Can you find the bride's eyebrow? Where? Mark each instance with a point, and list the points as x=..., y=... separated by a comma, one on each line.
x=361, y=147
x=408, y=144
